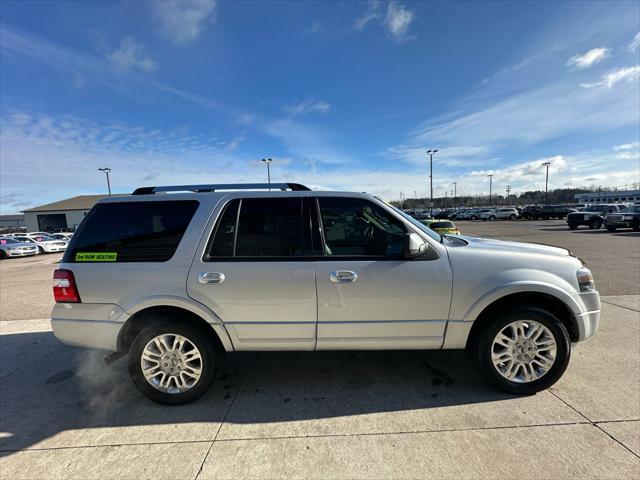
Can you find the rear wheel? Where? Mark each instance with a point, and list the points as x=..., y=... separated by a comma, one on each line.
x=573, y=226
x=611, y=229
x=173, y=363
x=492, y=218
x=524, y=351
x=512, y=218
x=3, y=255
x=40, y=249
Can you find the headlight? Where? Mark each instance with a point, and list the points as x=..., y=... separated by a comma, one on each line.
x=585, y=280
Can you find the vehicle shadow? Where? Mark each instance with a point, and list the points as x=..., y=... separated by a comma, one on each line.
x=64, y=396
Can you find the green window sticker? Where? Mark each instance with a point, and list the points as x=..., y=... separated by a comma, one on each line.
x=96, y=256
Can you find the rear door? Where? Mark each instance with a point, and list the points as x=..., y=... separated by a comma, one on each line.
x=257, y=274
x=369, y=295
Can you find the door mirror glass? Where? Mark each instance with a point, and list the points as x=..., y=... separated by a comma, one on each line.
x=414, y=245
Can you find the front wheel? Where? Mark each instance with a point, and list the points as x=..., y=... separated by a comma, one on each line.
x=512, y=218
x=573, y=226
x=492, y=218
x=523, y=352
x=595, y=224
x=40, y=249
x=172, y=363
x=611, y=229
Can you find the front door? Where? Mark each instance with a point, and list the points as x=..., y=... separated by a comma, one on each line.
x=255, y=277
x=369, y=296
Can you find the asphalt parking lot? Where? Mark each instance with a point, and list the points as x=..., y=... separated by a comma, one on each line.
x=331, y=414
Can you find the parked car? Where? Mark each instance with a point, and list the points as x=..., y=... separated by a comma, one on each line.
x=592, y=216
x=500, y=214
x=627, y=218
x=35, y=234
x=444, y=214
x=530, y=212
x=554, y=211
x=174, y=280
x=11, y=247
x=65, y=237
x=443, y=227
x=45, y=244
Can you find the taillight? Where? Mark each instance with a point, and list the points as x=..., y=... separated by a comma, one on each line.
x=64, y=287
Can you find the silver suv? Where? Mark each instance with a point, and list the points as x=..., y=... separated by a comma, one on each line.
x=500, y=214
x=177, y=279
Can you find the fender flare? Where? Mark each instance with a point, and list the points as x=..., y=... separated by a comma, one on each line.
x=187, y=304
x=521, y=287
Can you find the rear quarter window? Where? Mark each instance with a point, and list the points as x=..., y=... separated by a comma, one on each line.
x=131, y=232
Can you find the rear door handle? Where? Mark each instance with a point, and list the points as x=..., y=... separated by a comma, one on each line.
x=343, y=276
x=211, y=277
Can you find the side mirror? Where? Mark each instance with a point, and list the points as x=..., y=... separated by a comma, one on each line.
x=414, y=245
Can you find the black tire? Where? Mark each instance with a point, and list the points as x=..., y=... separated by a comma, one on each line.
x=595, y=224
x=573, y=226
x=210, y=353
x=512, y=218
x=492, y=218
x=636, y=225
x=3, y=255
x=40, y=250
x=481, y=350
x=473, y=217
x=611, y=229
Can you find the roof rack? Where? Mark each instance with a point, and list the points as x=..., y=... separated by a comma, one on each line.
x=294, y=187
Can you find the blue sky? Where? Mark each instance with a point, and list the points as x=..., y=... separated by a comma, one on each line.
x=342, y=95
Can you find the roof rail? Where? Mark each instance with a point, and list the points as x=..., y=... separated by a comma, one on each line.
x=223, y=186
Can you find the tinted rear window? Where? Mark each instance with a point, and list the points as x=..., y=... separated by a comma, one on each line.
x=132, y=231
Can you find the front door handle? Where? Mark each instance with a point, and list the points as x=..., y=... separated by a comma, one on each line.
x=343, y=276
x=211, y=277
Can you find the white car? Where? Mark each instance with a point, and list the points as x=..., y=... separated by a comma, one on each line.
x=500, y=214
x=45, y=244
x=65, y=237
x=177, y=279
x=35, y=234
x=11, y=247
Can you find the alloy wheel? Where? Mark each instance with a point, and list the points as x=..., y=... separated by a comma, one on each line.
x=171, y=363
x=523, y=351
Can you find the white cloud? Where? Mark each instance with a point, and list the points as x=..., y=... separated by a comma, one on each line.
x=308, y=106
x=373, y=12
x=590, y=58
x=635, y=43
x=398, y=20
x=627, y=146
x=628, y=74
x=131, y=55
x=184, y=20
x=234, y=144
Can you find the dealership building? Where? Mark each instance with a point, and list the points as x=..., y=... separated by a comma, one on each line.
x=63, y=215
x=609, y=196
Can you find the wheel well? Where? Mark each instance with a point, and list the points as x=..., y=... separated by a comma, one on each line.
x=535, y=299
x=138, y=321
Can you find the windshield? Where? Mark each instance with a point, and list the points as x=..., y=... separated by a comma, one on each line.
x=632, y=209
x=441, y=225
x=424, y=228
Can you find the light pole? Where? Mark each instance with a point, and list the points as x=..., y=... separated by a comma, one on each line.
x=546, y=183
x=490, y=187
x=431, y=153
x=107, y=171
x=268, y=162
x=455, y=194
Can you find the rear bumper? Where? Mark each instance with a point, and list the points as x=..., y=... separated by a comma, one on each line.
x=88, y=325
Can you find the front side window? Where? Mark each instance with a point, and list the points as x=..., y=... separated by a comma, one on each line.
x=356, y=227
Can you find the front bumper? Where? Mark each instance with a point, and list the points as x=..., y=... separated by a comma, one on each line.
x=21, y=253
x=618, y=223
x=587, y=322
